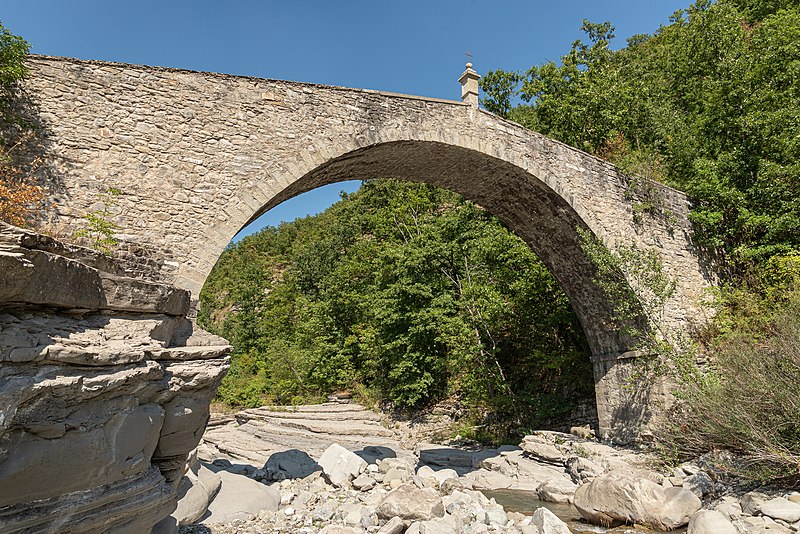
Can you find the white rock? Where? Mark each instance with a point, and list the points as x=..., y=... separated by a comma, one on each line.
x=729, y=507
x=781, y=508
x=364, y=482
x=240, y=497
x=340, y=465
x=430, y=527
x=444, y=474
x=557, y=490
x=635, y=496
x=497, y=516
x=710, y=522
x=548, y=523
x=410, y=502
x=425, y=471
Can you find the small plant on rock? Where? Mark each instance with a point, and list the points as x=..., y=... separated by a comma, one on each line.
x=100, y=230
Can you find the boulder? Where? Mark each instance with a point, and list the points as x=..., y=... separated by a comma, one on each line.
x=483, y=479
x=582, y=469
x=496, y=516
x=699, y=483
x=781, y=508
x=635, y=496
x=410, y=502
x=729, y=507
x=557, y=490
x=444, y=474
x=292, y=463
x=761, y=525
x=240, y=497
x=548, y=523
x=196, y=491
x=340, y=465
x=751, y=502
x=540, y=447
x=364, y=482
x=710, y=522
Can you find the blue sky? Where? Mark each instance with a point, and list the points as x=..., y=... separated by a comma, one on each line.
x=409, y=46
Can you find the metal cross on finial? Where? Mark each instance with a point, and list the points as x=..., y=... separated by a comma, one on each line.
x=469, y=56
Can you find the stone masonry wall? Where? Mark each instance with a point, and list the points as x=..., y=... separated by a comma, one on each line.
x=198, y=155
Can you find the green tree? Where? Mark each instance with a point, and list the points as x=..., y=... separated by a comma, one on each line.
x=405, y=291
x=20, y=194
x=708, y=104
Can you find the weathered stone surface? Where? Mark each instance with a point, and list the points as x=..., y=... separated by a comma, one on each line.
x=752, y=502
x=133, y=504
x=548, y=523
x=293, y=463
x=240, y=497
x=119, y=447
x=430, y=527
x=196, y=491
x=513, y=470
x=541, y=449
x=212, y=165
x=412, y=503
x=340, y=465
x=699, y=483
x=43, y=278
x=781, y=508
x=394, y=526
x=635, y=496
x=710, y=522
x=95, y=427
x=364, y=482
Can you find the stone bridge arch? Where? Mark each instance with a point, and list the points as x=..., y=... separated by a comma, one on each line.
x=199, y=155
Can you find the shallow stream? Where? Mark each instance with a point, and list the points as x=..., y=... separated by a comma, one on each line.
x=526, y=502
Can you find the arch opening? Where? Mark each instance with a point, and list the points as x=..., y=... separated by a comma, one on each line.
x=527, y=206
x=543, y=218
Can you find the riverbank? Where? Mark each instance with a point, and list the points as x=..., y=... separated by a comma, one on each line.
x=343, y=469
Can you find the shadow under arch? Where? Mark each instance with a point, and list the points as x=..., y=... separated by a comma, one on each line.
x=542, y=217
x=531, y=209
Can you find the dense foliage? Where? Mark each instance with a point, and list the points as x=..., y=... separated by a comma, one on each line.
x=20, y=195
x=402, y=292
x=709, y=104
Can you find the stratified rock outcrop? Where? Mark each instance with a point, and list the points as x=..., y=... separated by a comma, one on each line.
x=105, y=387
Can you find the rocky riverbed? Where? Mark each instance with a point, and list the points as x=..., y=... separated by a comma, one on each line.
x=342, y=469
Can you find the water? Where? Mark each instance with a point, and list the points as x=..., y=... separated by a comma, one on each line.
x=526, y=502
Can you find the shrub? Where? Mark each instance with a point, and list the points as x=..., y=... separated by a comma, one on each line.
x=748, y=400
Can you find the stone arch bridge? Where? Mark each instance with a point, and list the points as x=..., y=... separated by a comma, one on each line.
x=197, y=156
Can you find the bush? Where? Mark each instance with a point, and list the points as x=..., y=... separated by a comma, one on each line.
x=20, y=195
x=748, y=401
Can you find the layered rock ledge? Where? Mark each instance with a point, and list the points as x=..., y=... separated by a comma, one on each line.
x=105, y=387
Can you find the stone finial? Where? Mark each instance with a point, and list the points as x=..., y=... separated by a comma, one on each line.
x=469, y=86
